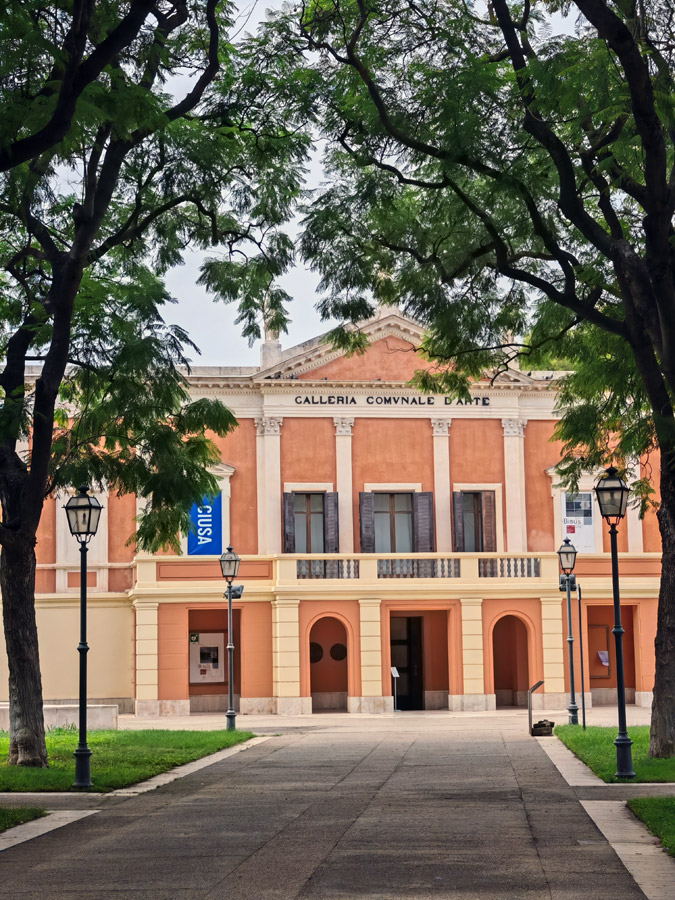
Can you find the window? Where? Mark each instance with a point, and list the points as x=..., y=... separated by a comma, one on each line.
x=308, y=514
x=396, y=522
x=311, y=522
x=393, y=523
x=475, y=521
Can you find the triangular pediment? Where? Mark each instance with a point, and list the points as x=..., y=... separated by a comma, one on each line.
x=390, y=335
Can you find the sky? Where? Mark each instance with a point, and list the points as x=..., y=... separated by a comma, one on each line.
x=211, y=324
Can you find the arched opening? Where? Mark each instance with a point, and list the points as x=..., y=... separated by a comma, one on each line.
x=510, y=651
x=328, y=665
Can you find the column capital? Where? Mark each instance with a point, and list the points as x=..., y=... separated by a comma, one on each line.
x=343, y=425
x=268, y=424
x=514, y=427
x=440, y=427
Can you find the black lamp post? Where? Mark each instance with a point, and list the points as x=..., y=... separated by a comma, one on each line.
x=83, y=514
x=612, y=493
x=567, y=554
x=229, y=563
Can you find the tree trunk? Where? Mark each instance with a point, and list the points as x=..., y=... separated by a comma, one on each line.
x=26, y=720
x=662, y=735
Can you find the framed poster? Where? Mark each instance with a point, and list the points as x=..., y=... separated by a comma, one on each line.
x=207, y=657
x=577, y=520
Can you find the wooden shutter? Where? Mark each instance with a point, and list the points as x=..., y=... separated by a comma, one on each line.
x=331, y=535
x=367, y=521
x=289, y=523
x=489, y=522
x=423, y=522
x=458, y=520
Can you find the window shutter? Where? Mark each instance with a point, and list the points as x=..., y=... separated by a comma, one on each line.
x=458, y=519
x=489, y=522
x=423, y=522
x=289, y=524
x=331, y=535
x=367, y=520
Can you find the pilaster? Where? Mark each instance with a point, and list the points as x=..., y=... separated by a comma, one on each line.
x=343, y=464
x=147, y=658
x=286, y=659
x=553, y=643
x=440, y=430
x=514, y=489
x=268, y=429
x=473, y=666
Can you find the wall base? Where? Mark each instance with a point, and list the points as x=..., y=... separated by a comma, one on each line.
x=370, y=705
x=329, y=700
x=644, y=698
x=608, y=696
x=174, y=707
x=293, y=706
x=435, y=699
x=63, y=715
x=256, y=706
x=147, y=708
x=125, y=705
x=471, y=702
x=203, y=703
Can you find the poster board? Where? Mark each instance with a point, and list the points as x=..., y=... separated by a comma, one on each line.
x=577, y=520
x=207, y=657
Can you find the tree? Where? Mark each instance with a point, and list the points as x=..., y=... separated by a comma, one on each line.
x=497, y=175
x=128, y=131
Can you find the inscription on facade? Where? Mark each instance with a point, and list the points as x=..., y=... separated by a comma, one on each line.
x=384, y=400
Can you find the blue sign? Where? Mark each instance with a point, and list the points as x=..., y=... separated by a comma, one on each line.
x=207, y=518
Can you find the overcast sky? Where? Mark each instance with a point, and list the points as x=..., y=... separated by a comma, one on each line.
x=210, y=323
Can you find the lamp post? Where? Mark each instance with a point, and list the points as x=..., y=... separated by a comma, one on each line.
x=612, y=494
x=229, y=563
x=83, y=514
x=567, y=554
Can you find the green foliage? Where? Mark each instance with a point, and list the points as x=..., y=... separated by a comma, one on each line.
x=595, y=747
x=491, y=201
x=120, y=758
x=9, y=818
x=135, y=181
x=658, y=814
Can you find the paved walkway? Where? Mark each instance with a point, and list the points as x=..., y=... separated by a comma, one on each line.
x=411, y=808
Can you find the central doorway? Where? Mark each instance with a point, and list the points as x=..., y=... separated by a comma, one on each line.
x=406, y=656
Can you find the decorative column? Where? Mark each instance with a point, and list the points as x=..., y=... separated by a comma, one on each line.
x=371, y=699
x=147, y=658
x=553, y=642
x=343, y=465
x=514, y=489
x=286, y=659
x=473, y=665
x=440, y=430
x=268, y=429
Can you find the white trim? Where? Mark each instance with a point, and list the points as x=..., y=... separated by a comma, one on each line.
x=68, y=548
x=302, y=487
x=393, y=487
x=498, y=488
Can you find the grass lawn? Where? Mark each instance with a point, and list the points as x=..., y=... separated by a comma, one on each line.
x=11, y=817
x=658, y=814
x=595, y=747
x=119, y=758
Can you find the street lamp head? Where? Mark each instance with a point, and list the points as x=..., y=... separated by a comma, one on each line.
x=567, y=554
x=612, y=493
x=229, y=563
x=83, y=514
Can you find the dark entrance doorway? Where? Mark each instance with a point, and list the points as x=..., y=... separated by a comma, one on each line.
x=406, y=655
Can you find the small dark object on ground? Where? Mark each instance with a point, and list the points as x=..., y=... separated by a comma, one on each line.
x=542, y=728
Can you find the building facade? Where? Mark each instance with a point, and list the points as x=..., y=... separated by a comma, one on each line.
x=379, y=528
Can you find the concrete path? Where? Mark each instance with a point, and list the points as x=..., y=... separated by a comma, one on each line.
x=417, y=807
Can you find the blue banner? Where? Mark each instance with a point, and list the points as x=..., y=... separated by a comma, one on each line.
x=207, y=539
